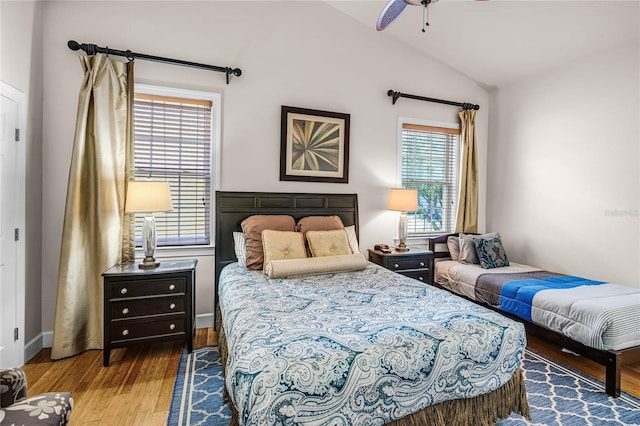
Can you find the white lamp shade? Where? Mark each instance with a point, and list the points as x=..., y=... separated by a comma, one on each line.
x=404, y=200
x=148, y=197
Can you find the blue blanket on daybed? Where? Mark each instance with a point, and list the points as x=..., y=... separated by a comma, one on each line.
x=516, y=297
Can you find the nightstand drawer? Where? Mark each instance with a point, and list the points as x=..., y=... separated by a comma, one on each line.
x=420, y=275
x=399, y=264
x=131, y=330
x=155, y=287
x=148, y=306
x=413, y=263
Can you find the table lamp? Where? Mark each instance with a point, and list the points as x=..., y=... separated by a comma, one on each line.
x=403, y=200
x=148, y=197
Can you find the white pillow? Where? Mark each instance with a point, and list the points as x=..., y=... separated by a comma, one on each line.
x=468, y=248
x=453, y=244
x=240, y=247
x=352, y=238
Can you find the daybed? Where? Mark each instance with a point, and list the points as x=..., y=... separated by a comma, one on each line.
x=596, y=319
x=352, y=348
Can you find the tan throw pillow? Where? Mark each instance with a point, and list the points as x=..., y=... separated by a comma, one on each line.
x=252, y=228
x=468, y=248
x=278, y=245
x=287, y=268
x=328, y=243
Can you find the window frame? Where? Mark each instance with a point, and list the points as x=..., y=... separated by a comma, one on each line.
x=422, y=237
x=216, y=114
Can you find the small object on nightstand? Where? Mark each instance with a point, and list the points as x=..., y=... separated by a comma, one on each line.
x=413, y=264
x=384, y=248
x=149, y=305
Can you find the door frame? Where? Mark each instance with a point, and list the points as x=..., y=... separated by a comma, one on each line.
x=19, y=97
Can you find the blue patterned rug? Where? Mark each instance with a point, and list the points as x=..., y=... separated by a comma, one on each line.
x=197, y=393
x=558, y=395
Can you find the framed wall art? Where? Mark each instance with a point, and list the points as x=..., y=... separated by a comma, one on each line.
x=314, y=145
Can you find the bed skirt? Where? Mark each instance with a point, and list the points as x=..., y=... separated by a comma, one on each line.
x=483, y=410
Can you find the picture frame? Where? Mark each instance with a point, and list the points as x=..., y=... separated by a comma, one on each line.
x=314, y=145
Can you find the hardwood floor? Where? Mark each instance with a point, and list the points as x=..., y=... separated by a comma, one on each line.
x=136, y=388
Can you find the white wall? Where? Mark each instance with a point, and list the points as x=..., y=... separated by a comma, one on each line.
x=303, y=54
x=21, y=67
x=563, y=179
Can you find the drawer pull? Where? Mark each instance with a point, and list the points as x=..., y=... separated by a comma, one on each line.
x=422, y=264
x=420, y=278
x=172, y=306
x=125, y=311
x=172, y=326
x=125, y=332
x=124, y=291
x=396, y=266
x=172, y=287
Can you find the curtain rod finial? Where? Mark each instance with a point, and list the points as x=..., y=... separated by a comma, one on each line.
x=73, y=45
x=394, y=96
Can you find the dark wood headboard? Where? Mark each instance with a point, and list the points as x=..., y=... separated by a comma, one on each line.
x=233, y=207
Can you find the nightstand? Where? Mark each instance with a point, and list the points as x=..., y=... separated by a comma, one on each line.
x=144, y=306
x=413, y=263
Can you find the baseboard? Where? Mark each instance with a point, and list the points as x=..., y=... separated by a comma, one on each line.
x=47, y=339
x=204, y=320
x=32, y=348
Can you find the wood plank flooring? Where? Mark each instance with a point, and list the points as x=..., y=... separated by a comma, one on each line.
x=136, y=388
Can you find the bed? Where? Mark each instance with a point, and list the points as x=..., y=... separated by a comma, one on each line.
x=595, y=319
x=361, y=347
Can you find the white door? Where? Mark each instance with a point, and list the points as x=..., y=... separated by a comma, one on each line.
x=11, y=246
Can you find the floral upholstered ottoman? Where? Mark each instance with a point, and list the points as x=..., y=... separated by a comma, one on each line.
x=16, y=409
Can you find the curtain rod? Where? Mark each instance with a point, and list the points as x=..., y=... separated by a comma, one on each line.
x=92, y=49
x=463, y=105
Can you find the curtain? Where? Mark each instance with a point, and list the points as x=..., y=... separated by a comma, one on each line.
x=467, y=217
x=94, y=218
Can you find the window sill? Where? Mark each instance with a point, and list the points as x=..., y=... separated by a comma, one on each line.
x=184, y=251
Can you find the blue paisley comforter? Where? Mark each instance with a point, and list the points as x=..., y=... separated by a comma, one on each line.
x=356, y=348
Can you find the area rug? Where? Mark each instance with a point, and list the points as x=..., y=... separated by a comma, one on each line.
x=558, y=395
x=197, y=393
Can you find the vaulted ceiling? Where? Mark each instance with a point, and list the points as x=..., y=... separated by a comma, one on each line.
x=501, y=41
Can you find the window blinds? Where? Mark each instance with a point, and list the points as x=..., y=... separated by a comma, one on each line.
x=429, y=164
x=173, y=143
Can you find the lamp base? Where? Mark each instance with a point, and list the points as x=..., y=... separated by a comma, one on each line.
x=401, y=247
x=148, y=263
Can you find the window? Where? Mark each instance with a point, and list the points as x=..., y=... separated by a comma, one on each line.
x=176, y=141
x=429, y=164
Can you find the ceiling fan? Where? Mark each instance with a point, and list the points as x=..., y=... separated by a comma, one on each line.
x=394, y=8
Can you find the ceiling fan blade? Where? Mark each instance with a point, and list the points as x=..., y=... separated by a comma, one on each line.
x=391, y=11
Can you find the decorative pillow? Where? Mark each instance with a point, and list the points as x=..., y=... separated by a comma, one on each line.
x=282, y=245
x=453, y=244
x=352, y=238
x=468, y=249
x=328, y=243
x=240, y=248
x=319, y=223
x=491, y=253
x=286, y=268
x=252, y=228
